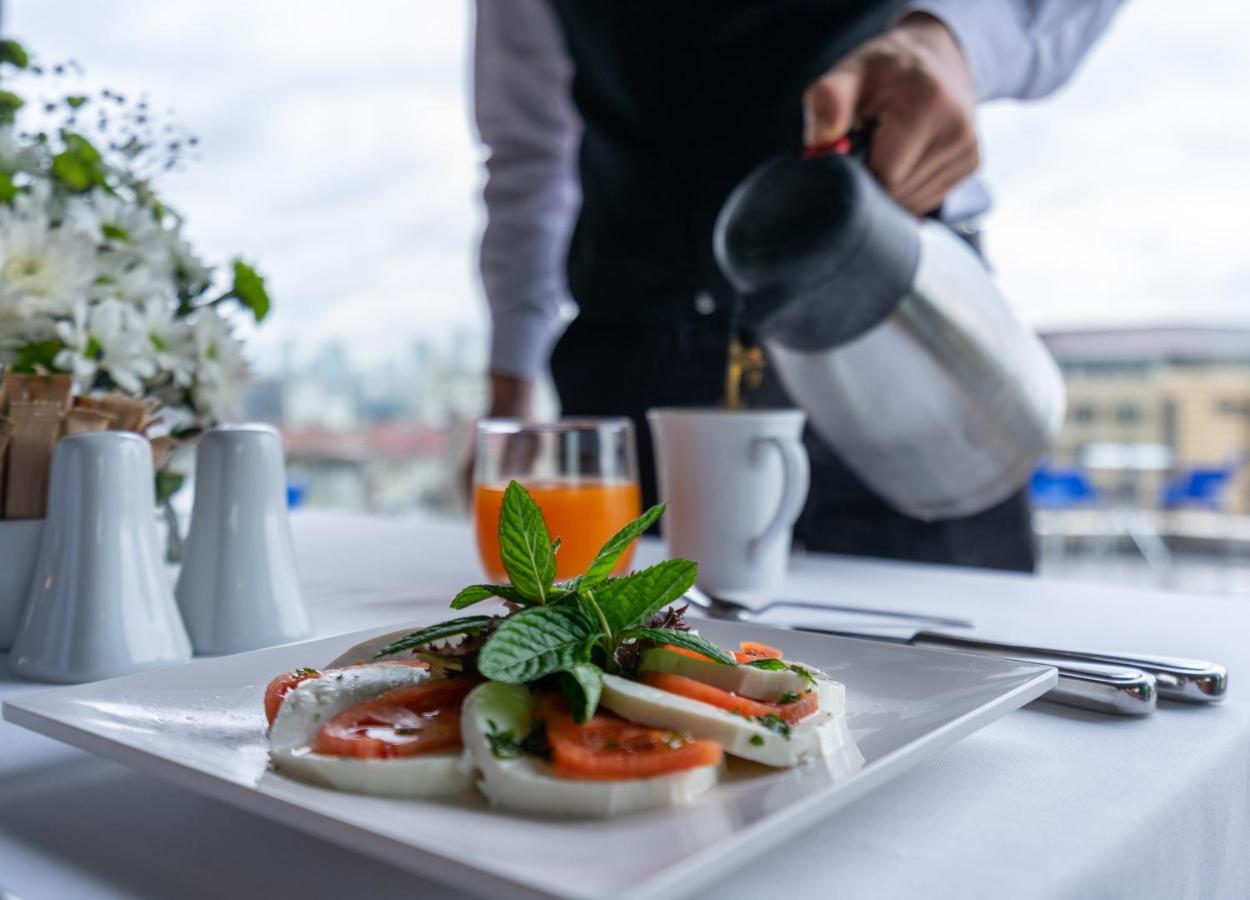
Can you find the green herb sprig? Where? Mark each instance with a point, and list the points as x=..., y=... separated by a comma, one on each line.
x=571, y=630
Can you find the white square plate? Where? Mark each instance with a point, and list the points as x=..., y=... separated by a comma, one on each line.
x=201, y=725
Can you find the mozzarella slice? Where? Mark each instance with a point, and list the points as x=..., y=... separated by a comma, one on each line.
x=314, y=702
x=526, y=783
x=744, y=680
x=821, y=735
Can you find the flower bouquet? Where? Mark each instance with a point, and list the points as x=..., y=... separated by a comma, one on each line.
x=97, y=281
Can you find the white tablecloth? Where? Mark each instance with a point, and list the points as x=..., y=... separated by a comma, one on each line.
x=1044, y=803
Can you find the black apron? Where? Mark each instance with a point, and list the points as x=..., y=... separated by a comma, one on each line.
x=679, y=100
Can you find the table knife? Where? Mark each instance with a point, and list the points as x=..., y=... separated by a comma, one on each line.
x=1107, y=688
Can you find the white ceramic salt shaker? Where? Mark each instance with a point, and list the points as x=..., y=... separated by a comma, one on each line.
x=238, y=589
x=100, y=603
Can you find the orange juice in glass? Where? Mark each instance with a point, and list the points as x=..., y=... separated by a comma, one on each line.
x=582, y=473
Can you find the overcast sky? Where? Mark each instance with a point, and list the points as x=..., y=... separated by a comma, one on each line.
x=338, y=155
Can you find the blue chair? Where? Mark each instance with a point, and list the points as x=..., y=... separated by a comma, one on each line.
x=296, y=494
x=1062, y=488
x=1201, y=486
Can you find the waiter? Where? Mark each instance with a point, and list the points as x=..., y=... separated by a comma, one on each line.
x=616, y=130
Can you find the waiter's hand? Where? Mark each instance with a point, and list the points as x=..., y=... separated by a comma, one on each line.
x=510, y=398
x=915, y=83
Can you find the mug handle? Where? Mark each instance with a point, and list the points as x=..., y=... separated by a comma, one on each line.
x=796, y=471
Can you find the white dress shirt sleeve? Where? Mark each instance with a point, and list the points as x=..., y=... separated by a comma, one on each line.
x=525, y=117
x=1022, y=48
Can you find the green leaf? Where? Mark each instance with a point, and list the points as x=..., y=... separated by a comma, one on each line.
x=605, y=560
x=38, y=356
x=451, y=628
x=249, y=289
x=74, y=101
x=79, y=166
x=14, y=54
x=536, y=642
x=10, y=103
x=768, y=665
x=687, y=640
x=582, y=684
x=476, y=593
x=635, y=598
x=114, y=233
x=167, y=484
x=8, y=190
x=525, y=545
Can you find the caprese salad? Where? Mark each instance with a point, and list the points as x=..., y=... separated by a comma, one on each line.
x=591, y=697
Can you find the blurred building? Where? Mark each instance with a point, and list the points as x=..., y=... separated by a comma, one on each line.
x=1180, y=395
x=386, y=436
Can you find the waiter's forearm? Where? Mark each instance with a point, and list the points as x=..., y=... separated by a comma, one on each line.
x=525, y=117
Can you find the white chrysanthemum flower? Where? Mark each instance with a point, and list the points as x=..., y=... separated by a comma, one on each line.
x=190, y=272
x=131, y=280
x=77, y=356
x=221, y=370
x=110, y=336
x=112, y=220
x=173, y=344
x=43, y=270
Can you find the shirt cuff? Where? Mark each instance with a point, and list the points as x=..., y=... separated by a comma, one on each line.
x=992, y=38
x=521, y=342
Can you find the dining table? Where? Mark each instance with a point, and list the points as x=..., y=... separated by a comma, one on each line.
x=1047, y=802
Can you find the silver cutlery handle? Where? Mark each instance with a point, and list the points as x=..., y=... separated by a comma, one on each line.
x=1115, y=690
x=1186, y=680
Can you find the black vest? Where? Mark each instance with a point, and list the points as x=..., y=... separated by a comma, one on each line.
x=680, y=99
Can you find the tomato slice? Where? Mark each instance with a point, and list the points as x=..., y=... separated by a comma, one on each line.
x=801, y=708
x=422, y=718
x=281, y=686
x=609, y=748
x=277, y=689
x=752, y=651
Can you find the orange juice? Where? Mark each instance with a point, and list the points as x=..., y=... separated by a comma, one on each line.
x=582, y=514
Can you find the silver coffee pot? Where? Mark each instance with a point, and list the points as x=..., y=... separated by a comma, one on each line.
x=889, y=331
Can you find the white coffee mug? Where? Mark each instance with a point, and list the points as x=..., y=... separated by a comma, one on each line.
x=735, y=482
x=100, y=604
x=238, y=589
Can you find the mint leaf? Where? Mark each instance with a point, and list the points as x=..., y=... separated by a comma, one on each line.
x=635, y=598
x=476, y=593
x=536, y=642
x=605, y=560
x=687, y=640
x=582, y=684
x=451, y=628
x=526, y=545
x=768, y=665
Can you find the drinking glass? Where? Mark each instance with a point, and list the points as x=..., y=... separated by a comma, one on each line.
x=582, y=473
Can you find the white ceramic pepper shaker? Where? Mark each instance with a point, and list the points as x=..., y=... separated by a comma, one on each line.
x=238, y=589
